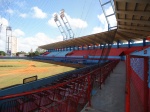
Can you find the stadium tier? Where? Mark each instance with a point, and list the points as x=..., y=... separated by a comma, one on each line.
x=45, y=53
x=116, y=72
x=87, y=56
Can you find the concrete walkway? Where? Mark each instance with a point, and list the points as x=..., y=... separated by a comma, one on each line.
x=111, y=98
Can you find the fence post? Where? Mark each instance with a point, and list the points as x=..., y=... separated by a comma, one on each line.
x=127, y=83
x=146, y=84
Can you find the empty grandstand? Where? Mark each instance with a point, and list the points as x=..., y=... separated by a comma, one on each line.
x=115, y=76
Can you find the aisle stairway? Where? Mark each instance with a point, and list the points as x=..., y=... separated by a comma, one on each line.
x=111, y=98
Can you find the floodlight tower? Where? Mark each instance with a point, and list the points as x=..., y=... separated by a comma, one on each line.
x=59, y=25
x=103, y=6
x=8, y=40
x=66, y=23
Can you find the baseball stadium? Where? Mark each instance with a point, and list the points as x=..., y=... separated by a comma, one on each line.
x=102, y=72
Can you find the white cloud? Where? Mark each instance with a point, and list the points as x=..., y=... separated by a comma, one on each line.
x=10, y=11
x=2, y=37
x=4, y=22
x=51, y=21
x=38, y=13
x=102, y=19
x=18, y=33
x=104, y=26
x=28, y=43
x=25, y=43
x=74, y=22
x=2, y=45
x=112, y=20
x=97, y=30
x=23, y=15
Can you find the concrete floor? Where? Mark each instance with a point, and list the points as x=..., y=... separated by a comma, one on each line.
x=111, y=98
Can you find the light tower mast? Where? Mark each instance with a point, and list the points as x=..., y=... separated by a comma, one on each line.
x=103, y=6
x=59, y=25
x=66, y=23
x=8, y=40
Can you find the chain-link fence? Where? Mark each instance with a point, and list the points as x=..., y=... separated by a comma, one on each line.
x=137, y=97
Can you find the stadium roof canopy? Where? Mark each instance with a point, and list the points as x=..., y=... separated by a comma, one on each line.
x=133, y=23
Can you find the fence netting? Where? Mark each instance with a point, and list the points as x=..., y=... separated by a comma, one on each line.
x=138, y=96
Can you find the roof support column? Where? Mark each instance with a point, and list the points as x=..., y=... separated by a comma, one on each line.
x=101, y=46
x=144, y=41
x=74, y=47
x=78, y=47
x=87, y=47
x=70, y=48
x=118, y=43
x=129, y=43
x=93, y=46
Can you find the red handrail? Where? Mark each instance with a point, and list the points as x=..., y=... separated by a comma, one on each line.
x=88, y=79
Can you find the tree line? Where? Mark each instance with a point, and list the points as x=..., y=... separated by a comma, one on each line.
x=29, y=54
x=2, y=53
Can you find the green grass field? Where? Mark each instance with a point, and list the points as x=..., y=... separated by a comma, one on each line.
x=12, y=72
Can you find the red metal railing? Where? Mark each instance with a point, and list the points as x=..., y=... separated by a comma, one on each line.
x=67, y=94
x=137, y=91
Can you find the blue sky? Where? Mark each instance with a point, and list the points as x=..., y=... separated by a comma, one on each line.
x=33, y=24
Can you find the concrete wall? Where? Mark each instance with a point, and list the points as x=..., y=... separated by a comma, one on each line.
x=29, y=86
x=145, y=52
x=15, y=57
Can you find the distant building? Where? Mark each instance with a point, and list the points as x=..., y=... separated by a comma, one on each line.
x=14, y=45
x=11, y=42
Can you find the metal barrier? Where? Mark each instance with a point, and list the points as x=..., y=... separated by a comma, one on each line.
x=67, y=94
x=137, y=91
